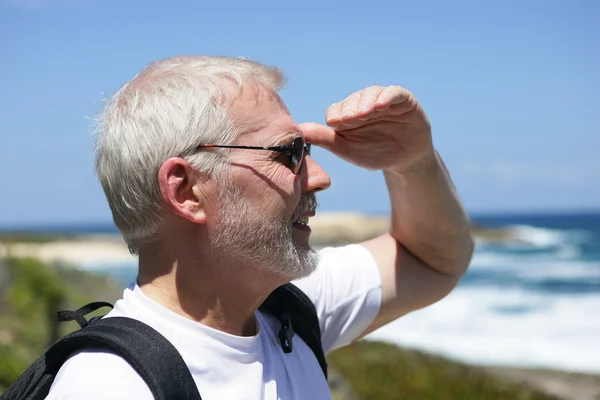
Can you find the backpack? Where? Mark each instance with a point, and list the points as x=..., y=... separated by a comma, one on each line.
x=153, y=357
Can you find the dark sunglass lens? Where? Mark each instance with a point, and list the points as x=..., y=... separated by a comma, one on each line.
x=297, y=154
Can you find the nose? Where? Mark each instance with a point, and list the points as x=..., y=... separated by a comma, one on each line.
x=314, y=178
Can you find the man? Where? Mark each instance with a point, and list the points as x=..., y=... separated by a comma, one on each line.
x=219, y=222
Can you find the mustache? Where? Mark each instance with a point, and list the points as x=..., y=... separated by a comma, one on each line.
x=308, y=204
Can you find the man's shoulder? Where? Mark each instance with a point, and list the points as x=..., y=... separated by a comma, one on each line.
x=94, y=375
x=338, y=256
x=336, y=265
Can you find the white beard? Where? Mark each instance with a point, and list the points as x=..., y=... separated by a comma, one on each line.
x=245, y=236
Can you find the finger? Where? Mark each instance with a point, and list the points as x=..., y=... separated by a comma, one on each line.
x=366, y=105
x=318, y=134
x=349, y=109
x=391, y=95
x=333, y=116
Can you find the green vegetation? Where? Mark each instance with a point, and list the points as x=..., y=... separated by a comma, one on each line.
x=31, y=293
x=381, y=371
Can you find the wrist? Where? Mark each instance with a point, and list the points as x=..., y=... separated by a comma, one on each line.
x=424, y=165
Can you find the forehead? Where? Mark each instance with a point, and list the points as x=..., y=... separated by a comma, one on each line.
x=260, y=114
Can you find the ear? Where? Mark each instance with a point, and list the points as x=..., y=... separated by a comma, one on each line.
x=180, y=189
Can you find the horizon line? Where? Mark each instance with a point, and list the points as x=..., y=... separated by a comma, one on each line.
x=48, y=226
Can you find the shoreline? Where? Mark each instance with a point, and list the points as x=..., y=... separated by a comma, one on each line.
x=79, y=252
x=80, y=249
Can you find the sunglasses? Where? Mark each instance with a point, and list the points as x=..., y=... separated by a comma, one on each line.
x=296, y=151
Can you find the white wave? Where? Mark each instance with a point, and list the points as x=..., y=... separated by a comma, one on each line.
x=563, y=271
x=540, y=237
x=568, y=252
x=545, y=331
x=541, y=265
x=525, y=236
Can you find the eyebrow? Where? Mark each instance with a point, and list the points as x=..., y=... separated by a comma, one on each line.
x=288, y=138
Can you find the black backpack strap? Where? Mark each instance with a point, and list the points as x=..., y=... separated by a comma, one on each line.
x=79, y=314
x=152, y=356
x=297, y=314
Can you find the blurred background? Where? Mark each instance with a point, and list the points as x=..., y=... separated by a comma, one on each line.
x=511, y=89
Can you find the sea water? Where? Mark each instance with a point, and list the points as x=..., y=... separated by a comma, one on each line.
x=533, y=301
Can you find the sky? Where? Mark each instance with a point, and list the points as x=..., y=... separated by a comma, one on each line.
x=511, y=89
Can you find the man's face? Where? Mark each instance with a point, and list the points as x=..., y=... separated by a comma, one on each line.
x=260, y=198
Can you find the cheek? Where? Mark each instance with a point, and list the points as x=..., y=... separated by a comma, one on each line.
x=267, y=190
x=282, y=178
x=283, y=183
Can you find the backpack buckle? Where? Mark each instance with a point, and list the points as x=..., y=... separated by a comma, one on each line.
x=286, y=333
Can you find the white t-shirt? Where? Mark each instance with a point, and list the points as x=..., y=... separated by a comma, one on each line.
x=346, y=291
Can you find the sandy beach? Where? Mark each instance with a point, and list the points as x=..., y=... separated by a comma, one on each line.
x=81, y=252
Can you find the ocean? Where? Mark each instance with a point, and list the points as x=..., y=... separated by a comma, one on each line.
x=531, y=302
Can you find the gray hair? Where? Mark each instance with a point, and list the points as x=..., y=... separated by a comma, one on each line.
x=171, y=107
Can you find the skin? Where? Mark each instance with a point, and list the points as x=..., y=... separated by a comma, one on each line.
x=422, y=258
x=429, y=246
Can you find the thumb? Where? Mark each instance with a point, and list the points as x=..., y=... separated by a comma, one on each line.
x=318, y=134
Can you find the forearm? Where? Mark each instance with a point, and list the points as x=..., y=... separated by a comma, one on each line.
x=428, y=218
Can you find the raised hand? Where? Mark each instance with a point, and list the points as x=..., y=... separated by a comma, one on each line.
x=376, y=128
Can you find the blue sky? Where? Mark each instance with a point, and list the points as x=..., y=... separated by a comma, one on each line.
x=511, y=89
